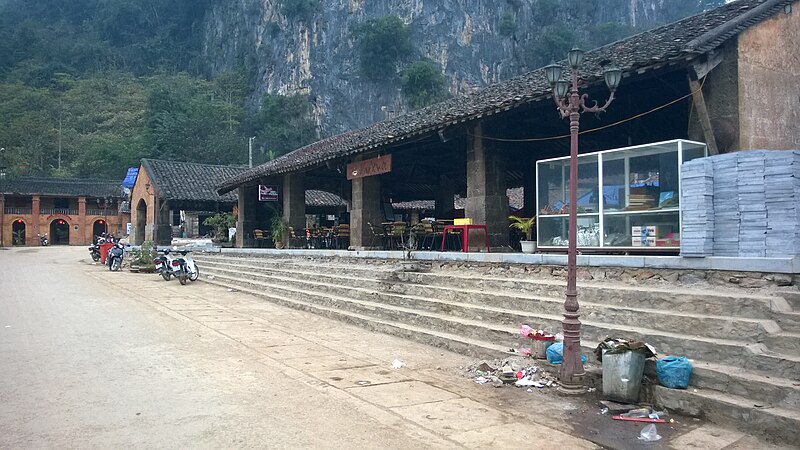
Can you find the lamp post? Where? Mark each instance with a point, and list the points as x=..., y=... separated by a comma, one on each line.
x=570, y=105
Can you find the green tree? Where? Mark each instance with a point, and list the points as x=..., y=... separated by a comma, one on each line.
x=423, y=84
x=284, y=123
x=382, y=44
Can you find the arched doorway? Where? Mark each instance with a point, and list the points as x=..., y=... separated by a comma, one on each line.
x=141, y=221
x=99, y=227
x=18, y=236
x=59, y=232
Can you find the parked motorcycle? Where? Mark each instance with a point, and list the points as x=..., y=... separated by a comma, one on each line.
x=115, y=256
x=188, y=270
x=94, y=249
x=43, y=239
x=164, y=266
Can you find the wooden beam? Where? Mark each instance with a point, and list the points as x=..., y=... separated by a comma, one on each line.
x=702, y=115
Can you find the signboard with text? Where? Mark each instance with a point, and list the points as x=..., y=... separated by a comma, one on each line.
x=369, y=167
x=267, y=193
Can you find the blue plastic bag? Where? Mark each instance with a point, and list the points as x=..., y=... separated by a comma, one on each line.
x=674, y=372
x=555, y=353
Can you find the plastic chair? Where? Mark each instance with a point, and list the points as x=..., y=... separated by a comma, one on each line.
x=377, y=233
x=258, y=236
x=342, y=236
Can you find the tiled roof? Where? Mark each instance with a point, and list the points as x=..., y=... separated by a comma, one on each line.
x=61, y=187
x=323, y=199
x=185, y=181
x=670, y=43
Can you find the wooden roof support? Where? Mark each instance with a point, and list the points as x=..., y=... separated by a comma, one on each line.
x=702, y=114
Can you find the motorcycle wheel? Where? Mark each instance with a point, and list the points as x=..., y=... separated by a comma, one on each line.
x=165, y=275
x=195, y=275
x=115, y=264
x=183, y=277
x=95, y=257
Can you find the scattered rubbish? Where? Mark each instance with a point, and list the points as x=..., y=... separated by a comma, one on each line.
x=525, y=352
x=604, y=411
x=674, y=372
x=591, y=389
x=363, y=383
x=541, y=340
x=525, y=330
x=232, y=290
x=8, y=326
x=515, y=371
x=397, y=364
x=210, y=277
x=559, y=337
x=649, y=434
x=616, y=346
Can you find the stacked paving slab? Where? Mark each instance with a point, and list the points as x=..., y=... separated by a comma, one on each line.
x=745, y=344
x=742, y=204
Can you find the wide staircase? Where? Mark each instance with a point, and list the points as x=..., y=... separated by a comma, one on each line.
x=745, y=345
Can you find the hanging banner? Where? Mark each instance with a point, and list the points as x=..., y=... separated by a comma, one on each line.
x=267, y=193
x=369, y=167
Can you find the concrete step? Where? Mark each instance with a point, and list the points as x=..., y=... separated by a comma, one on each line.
x=708, y=302
x=411, y=295
x=788, y=321
x=783, y=342
x=769, y=391
x=776, y=423
x=753, y=357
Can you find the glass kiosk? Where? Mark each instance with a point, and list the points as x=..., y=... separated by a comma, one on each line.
x=628, y=198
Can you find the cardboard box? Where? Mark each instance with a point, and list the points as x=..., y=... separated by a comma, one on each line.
x=645, y=231
x=466, y=221
x=638, y=241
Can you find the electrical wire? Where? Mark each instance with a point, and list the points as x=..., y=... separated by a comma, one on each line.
x=592, y=130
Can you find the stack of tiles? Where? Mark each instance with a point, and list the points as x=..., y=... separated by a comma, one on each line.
x=697, y=204
x=752, y=203
x=726, y=205
x=781, y=186
x=755, y=205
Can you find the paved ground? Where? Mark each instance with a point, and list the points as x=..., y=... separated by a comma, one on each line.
x=94, y=359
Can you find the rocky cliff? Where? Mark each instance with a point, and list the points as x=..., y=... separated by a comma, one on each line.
x=476, y=42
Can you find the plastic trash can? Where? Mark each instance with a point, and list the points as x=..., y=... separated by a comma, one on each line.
x=622, y=375
x=104, y=248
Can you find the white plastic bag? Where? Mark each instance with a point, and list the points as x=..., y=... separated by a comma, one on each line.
x=649, y=433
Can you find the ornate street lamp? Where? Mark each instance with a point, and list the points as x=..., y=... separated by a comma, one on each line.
x=571, y=104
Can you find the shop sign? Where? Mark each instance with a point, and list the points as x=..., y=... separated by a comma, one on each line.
x=369, y=167
x=267, y=193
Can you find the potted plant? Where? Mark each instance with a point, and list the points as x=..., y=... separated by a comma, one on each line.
x=220, y=222
x=279, y=230
x=525, y=225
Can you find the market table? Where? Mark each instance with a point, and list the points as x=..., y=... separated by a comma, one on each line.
x=465, y=235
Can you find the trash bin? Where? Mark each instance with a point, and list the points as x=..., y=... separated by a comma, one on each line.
x=539, y=345
x=622, y=375
x=104, y=248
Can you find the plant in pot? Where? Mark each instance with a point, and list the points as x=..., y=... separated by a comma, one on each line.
x=220, y=222
x=279, y=230
x=525, y=225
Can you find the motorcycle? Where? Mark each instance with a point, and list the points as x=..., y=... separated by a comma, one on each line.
x=43, y=241
x=187, y=269
x=94, y=249
x=164, y=266
x=115, y=256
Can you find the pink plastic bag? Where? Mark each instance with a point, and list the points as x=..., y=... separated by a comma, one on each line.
x=525, y=330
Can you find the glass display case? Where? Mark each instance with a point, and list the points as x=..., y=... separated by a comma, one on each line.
x=628, y=198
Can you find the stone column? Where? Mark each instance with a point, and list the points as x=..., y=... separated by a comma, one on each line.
x=487, y=202
x=81, y=239
x=294, y=201
x=444, y=198
x=246, y=220
x=163, y=223
x=35, y=213
x=366, y=209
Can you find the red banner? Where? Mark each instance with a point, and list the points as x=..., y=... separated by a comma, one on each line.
x=369, y=167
